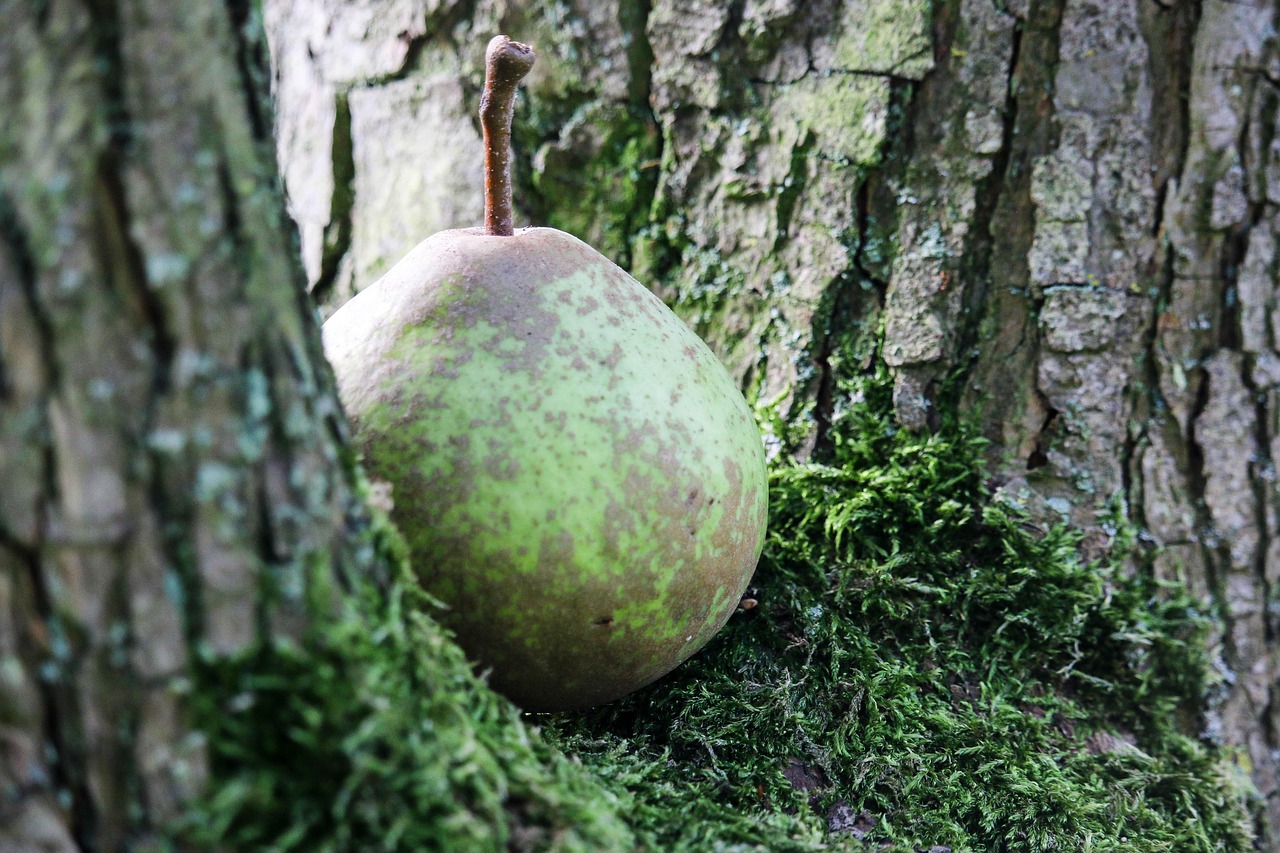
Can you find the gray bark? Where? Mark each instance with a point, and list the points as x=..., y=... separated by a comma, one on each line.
x=170, y=445
x=1070, y=204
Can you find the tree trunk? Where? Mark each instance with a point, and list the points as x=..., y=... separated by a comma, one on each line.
x=175, y=487
x=1060, y=215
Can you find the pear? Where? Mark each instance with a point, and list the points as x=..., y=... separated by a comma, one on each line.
x=577, y=477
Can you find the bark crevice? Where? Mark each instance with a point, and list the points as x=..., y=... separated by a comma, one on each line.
x=337, y=234
x=68, y=752
x=1217, y=555
x=122, y=257
x=1170, y=36
x=633, y=18
x=23, y=262
x=254, y=66
x=976, y=263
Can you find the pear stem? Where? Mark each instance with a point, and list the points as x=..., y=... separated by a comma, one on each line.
x=506, y=64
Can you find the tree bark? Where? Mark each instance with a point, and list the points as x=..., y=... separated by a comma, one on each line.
x=175, y=487
x=1060, y=215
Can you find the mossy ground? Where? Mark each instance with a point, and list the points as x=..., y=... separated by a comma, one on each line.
x=923, y=671
x=374, y=734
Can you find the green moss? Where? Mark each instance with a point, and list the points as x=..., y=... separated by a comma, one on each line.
x=886, y=36
x=932, y=672
x=922, y=669
x=373, y=734
x=599, y=190
x=706, y=283
x=588, y=165
x=823, y=104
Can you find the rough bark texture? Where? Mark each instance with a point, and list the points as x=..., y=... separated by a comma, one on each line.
x=1069, y=206
x=169, y=440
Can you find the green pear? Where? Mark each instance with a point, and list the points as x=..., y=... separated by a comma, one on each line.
x=577, y=477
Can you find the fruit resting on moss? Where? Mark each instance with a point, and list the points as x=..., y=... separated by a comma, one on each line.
x=577, y=477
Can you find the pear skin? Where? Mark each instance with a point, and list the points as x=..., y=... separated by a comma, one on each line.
x=578, y=478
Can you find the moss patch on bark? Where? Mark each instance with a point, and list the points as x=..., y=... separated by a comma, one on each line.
x=923, y=670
